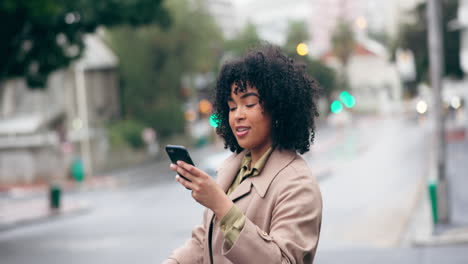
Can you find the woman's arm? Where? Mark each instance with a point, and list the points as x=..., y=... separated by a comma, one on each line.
x=208, y=193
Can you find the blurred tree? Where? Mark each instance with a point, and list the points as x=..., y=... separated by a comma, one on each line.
x=343, y=42
x=414, y=36
x=325, y=76
x=296, y=33
x=41, y=36
x=246, y=39
x=154, y=61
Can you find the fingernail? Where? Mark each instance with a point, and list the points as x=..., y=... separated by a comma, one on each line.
x=179, y=162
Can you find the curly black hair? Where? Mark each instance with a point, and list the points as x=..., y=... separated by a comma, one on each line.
x=285, y=90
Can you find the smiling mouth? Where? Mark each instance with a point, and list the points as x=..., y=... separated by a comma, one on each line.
x=242, y=131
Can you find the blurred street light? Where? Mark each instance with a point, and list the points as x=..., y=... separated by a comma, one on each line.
x=347, y=99
x=302, y=49
x=455, y=102
x=77, y=124
x=405, y=64
x=421, y=107
x=205, y=107
x=361, y=23
x=336, y=107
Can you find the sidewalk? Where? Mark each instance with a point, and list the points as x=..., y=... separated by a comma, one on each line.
x=425, y=233
x=16, y=213
x=29, y=203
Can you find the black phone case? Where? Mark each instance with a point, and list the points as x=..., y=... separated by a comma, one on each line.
x=176, y=153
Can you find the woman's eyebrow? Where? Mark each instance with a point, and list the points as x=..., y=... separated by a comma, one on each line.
x=248, y=94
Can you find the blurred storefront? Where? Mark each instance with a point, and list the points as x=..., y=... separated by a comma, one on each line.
x=373, y=79
x=41, y=129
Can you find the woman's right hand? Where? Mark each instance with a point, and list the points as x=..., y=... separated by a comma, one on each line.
x=204, y=189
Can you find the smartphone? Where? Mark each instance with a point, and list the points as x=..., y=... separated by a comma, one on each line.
x=176, y=153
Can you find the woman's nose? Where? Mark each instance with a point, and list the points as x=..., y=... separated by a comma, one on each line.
x=239, y=114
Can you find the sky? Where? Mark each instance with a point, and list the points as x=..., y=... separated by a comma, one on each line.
x=271, y=16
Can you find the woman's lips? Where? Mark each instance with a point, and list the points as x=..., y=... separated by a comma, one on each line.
x=242, y=131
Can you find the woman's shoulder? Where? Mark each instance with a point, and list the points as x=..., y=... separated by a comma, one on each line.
x=297, y=171
x=295, y=179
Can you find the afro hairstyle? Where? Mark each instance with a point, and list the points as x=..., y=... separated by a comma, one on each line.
x=285, y=90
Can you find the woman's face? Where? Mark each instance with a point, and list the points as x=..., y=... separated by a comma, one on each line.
x=250, y=124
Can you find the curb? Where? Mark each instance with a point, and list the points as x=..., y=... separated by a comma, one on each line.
x=31, y=190
x=453, y=236
x=37, y=211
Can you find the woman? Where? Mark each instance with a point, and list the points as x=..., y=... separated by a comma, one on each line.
x=266, y=206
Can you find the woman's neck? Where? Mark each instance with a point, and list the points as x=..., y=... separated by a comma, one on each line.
x=257, y=153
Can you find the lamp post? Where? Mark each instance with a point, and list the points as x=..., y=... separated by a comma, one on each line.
x=85, y=144
x=436, y=62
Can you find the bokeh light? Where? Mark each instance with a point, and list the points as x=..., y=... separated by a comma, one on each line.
x=421, y=107
x=214, y=121
x=336, y=107
x=302, y=49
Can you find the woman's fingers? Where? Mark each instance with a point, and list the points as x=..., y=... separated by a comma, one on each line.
x=194, y=171
x=184, y=182
x=180, y=170
x=197, y=180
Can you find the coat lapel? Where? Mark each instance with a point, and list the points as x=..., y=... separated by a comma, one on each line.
x=228, y=171
x=277, y=162
x=241, y=190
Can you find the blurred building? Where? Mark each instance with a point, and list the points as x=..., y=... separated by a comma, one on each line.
x=373, y=79
x=271, y=17
x=378, y=16
x=37, y=127
x=462, y=21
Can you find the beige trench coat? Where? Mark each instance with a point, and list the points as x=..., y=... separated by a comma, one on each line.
x=283, y=206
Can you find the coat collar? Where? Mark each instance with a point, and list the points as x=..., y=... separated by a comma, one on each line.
x=277, y=161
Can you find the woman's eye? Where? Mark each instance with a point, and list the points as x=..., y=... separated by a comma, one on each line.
x=251, y=105
x=232, y=109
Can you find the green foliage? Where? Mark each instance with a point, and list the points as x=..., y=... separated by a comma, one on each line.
x=41, y=36
x=296, y=33
x=126, y=133
x=326, y=76
x=246, y=39
x=153, y=61
x=343, y=41
x=414, y=37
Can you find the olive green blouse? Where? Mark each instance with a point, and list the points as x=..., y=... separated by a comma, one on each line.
x=233, y=222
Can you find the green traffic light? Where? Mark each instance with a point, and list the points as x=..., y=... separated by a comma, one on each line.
x=336, y=107
x=347, y=99
x=214, y=121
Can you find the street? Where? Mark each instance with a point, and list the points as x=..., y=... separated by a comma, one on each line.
x=371, y=176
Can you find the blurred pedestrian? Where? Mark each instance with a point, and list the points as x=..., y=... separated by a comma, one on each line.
x=266, y=205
